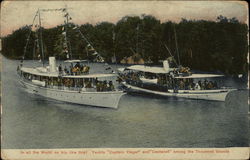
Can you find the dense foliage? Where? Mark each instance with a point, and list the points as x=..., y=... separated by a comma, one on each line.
x=219, y=45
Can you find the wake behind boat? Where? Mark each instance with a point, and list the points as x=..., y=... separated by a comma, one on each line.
x=72, y=82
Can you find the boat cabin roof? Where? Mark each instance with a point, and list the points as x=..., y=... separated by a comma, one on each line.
x=97, y=75
x=147, y=69
x=37, y=72
x=75, y=61
x=192, y=76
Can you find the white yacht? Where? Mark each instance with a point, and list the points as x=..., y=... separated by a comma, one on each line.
x=73, y=83
x=166, y=81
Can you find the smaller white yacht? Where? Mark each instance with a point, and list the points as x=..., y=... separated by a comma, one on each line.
x=173, y=82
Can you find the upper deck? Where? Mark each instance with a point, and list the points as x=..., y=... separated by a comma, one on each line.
x=41, y=71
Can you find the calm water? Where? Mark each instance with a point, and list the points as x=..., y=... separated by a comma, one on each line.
x=30, y=121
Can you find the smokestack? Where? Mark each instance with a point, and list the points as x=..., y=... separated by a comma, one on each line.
x=52, y=64
x=166, y=65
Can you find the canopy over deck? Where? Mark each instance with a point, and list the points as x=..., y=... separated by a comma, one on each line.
x=98, y=75
x=36, y=72
x=201, y=76
x=75, y=61
x=155, y=70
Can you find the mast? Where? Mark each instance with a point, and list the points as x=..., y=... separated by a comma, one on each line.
x=137, y=38
x=41, y=36
x=86, y=41
x=113, y=37
x=176, y=46
x=66, y=28
x=27, y=41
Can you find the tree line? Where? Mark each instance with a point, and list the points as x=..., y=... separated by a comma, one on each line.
x=219, y=45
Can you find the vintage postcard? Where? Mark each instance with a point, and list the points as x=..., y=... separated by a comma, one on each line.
x=124, y=80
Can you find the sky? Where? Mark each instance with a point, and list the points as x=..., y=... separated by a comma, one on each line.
x=15, y=14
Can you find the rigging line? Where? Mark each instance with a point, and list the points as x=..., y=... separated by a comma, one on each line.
x=164, y=44
x=168, y=50
x=27, y=42
x=34, y=49
x=84, y=37
x=170, y=54
x=114, y=40
x=41, y=36
x=86, y=41
x=66, y=29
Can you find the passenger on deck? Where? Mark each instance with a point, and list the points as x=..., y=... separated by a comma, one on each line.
x=77, y=65
x=98, y=86
x=176, y=87
x=60, y=69
x=181, y=84
x=205, y=84
x=111, y=86
x=67, y=82
x=88, y=84
x=210, y=85
x=95, y=81
x=101, y=86
x=105, y=86
x=200, y=84
x=66, y=70
x=85, y=69
x=197, y=86
x=120, y=78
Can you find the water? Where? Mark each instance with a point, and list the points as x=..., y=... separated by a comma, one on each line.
x=30, y=121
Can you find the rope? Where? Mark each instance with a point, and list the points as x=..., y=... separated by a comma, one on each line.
x=25, y=48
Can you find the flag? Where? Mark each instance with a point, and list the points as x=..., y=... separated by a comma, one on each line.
x=95, y=53
x=91, y=49
x=66, y=15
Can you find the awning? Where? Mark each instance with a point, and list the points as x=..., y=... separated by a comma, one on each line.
x=147, y=69
x=201, y=76
x=100, y=75
x=75, y=61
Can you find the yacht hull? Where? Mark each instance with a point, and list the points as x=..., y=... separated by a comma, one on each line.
x=101, y=99
x=213, y=95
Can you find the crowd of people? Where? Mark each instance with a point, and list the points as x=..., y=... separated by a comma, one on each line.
x=76, y=69
x=92, y=84
x=168, y=81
